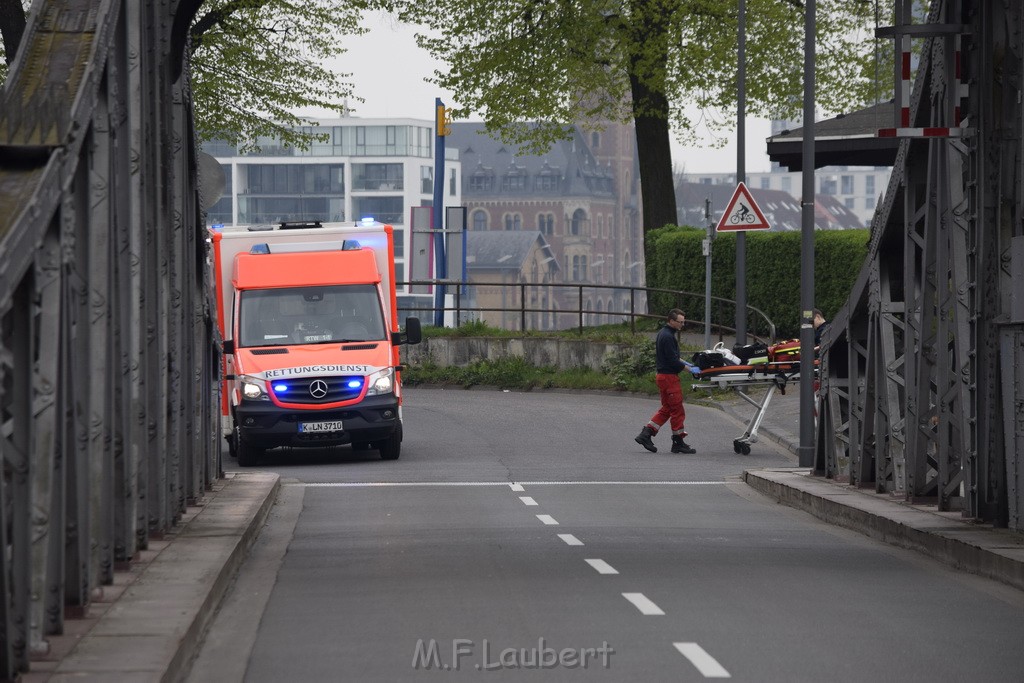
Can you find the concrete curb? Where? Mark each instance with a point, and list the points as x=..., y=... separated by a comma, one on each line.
x=151, y=630
x=945, y=536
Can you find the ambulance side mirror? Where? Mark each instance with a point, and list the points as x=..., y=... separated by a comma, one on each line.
x=413, y=333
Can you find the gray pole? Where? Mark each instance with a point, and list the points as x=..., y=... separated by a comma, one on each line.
x=806, y=450
x=741, y=174
x=709, y=217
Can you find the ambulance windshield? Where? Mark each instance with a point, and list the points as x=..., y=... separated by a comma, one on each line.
x=310, y=315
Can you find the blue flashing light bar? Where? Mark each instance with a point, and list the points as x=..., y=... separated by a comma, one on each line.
x=355, y=383
x=262, y=248
x=368, y=220
x=280, y=388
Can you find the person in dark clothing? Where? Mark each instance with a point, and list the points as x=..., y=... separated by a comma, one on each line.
x=668, y=366
x=820, y=324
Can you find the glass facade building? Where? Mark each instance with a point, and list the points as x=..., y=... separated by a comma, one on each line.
x=356, y=168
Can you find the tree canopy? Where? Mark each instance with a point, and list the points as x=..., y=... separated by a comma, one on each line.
x=555, y=63
x=253, y=63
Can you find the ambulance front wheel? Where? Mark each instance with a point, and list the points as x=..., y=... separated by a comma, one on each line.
x=248, y=455
x=391, y=447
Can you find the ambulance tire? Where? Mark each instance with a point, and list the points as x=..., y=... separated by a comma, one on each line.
x=391, y=447
x=248, y=456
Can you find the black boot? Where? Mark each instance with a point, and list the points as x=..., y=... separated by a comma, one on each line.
x=644, y=439
x=679, y=446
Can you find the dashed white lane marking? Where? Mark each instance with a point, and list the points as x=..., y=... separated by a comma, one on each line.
x=384, y=484
x=548, y=519
x=705, y=663
x=602, y=567
x=570, y=539
x=643, y=603
x=527, y=500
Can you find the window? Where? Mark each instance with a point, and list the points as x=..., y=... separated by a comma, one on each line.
x=452, y=184
x=426, y=180
x=578, y=218
x=595, y=140
x=846, y=184
x=787, y=183
x=766, y=183
x=869, y=202
x=513, y=183
x=545, y=183
x=481, y=183
x=480, y=220
x=849, y=202
x=546, y=223
x=869, y=185
x=513, y=221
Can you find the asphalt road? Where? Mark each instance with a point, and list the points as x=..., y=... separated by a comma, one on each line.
x=528, y=531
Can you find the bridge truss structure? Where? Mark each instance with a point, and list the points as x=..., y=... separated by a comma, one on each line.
x=923, y=368
x=109, y=405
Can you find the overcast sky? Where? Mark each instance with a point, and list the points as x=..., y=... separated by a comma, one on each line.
x=387, y=69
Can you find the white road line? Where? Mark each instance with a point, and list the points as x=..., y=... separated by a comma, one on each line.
x=547, y=519
x=527, y=500
x=388, y=484
x=705, y=663
x=643, y=603
x=602, y=567
x=570, y=539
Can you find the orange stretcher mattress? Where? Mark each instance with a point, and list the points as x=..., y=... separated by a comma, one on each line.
x=758, y=370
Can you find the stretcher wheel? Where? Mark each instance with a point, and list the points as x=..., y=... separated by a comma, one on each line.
x=737, y=447
x=746, y=449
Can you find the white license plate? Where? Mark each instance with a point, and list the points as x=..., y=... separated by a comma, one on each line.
x=320, y=427
x=316, y=338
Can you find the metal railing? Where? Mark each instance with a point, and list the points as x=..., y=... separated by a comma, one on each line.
x=559, y=306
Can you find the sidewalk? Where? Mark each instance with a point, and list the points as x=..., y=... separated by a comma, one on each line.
x=148, y=625
x=945, y=536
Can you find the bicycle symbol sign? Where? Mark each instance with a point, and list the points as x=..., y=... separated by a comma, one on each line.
x=742, y=213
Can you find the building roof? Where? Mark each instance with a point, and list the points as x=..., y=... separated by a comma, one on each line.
x=780, y=208
x=503, y=249
x=846, y=140
x=569, y=162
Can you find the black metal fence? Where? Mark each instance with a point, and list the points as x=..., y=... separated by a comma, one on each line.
x=558, y=306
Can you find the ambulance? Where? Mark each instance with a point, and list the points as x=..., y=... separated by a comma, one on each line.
x=309, y=319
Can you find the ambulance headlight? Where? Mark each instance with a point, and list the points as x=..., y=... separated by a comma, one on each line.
x=380, y=382
x=254, y=389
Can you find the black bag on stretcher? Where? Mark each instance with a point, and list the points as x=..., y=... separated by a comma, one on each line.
x=749, y=352
x=718, y=357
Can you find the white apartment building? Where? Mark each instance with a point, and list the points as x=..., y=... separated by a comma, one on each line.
x=379, y=168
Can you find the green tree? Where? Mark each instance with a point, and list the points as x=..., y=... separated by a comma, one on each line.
x=532, y=67
x=253, y=64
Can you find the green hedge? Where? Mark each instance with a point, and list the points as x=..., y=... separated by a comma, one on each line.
x=675, y=261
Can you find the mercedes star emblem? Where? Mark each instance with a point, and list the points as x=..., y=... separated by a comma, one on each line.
x=318, y=388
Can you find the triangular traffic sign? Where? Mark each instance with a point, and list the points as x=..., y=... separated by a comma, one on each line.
x=742, y=213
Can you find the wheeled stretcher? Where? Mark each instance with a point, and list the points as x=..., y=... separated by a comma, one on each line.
x=773, y=376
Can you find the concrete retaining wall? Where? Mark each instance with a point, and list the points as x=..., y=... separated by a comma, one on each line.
x=461, y=351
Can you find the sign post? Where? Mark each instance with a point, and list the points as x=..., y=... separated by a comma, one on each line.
x=707, y=273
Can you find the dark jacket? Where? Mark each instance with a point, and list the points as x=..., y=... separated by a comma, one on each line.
x=666, y=350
